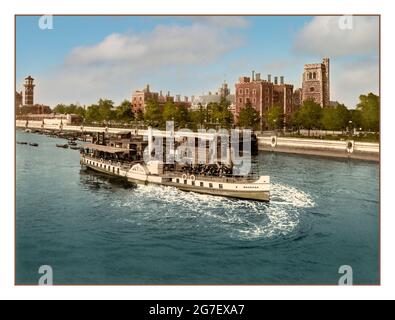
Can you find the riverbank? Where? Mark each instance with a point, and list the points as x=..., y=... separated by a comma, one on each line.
x=351, y=149
x=348, y=149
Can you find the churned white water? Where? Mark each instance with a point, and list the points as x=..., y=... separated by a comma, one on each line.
x=237, y=218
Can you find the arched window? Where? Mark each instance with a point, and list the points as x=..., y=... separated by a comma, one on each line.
x=314, y=75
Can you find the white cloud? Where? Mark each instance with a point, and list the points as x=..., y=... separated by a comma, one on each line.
x=329, y=36
x=122, y=62
x=198, y=43
x=350, y=80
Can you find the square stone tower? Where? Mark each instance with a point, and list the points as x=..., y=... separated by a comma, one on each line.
x=316, y=83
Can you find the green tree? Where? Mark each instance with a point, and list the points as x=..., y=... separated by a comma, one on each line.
x=369, y=106
x=106, y=110
x=220, y=113
x=60, y=109
x=200, y=116
x=124, y=111
x=309, y=115
x=153, y=114
x=171, y=112
x=249, y=117
x=93, y=114
x=275, y=118
x=139, y=115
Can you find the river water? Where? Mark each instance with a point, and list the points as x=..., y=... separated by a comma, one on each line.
x=92, y=229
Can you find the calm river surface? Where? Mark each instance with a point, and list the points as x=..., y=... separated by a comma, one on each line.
x=93, y=229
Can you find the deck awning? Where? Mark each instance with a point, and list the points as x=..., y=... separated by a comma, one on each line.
x=105, y=148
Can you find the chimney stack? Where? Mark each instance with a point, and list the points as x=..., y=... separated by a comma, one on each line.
x=275, y=80
x=168, y=93
x=282, y=79
x=258, y=77
x=253, y=75
x=147, y=88
x=178, y=98
x=269, y=78
x=186, y=99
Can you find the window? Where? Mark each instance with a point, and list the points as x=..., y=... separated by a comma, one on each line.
x=241, y=100
x=240, y=91
x=253, y=91
x=221, y=186
x=201, y=184
x=178, y=180
x=253, y=100
x=210, y=185
x=314, y=75
x=247, y=91
x=193, y=183
x=312, y=89
x=185, y=181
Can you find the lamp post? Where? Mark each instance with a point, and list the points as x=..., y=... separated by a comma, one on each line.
x=350, y=128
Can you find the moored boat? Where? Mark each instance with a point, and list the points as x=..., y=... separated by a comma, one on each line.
x=65, y=146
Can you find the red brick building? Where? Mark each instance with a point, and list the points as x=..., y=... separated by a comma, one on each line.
x=263, y=95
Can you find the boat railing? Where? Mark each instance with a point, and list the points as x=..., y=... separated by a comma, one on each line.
x=126, y=165
x=223, y=178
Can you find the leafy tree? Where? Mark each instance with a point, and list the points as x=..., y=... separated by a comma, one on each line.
x=139, y=116
x=93, y=114
x=329, y=119
x=249, y=117
x=152, y=113
x=60, y=109
x=275, y=118
x=171, y=112
x=199, y=116
x=309, y=115
x=369, y=106
x=356, y=118
x=124, y=111
x=220, y=113
x=106, y=110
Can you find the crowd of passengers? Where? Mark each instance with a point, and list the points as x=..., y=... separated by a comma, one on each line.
x=217, y=170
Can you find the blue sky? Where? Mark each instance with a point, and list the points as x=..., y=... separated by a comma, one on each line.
x=85, y=58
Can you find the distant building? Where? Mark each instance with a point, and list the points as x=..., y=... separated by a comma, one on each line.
x=140, y=98
x=316, y=83
x=263, y=94
x=29, y=107
x=29, y=91
x=222, y=93
x=18, y=99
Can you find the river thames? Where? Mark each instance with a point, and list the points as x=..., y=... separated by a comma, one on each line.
x=92, y=229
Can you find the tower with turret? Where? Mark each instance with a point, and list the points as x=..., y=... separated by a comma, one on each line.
x=29, y=91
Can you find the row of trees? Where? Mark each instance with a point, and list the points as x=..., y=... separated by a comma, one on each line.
x=309, y=116
x=103, y=111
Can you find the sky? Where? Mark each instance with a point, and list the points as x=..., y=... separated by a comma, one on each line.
x=81, y=59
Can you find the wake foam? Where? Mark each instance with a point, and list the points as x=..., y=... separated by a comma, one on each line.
x=240, y=219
